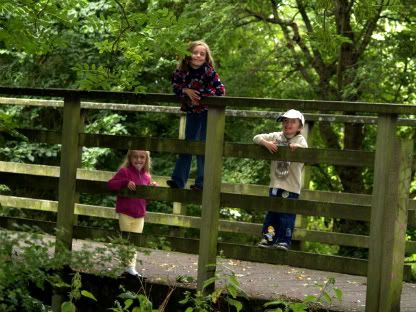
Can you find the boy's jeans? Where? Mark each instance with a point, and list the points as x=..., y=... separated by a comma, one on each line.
x=196, y=129
x=282, y=223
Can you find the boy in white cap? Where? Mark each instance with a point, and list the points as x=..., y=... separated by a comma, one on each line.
x=285, y=178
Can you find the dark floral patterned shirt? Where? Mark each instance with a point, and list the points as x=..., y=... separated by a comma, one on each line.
x=203, y=79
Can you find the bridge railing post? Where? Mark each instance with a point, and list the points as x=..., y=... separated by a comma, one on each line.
x=302, y=221
x=211, y=195
x=179, y=208
x=392, y=170
x=67, y=182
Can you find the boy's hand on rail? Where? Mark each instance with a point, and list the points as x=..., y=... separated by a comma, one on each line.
x=270, y=145
x=293, y=146
x=131, y=186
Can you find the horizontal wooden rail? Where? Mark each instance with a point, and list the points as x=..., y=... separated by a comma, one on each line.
x=175, y=110
x=333, y=238
x=247, y=202
x=311, y=156
x=234, y=251
x=39, y=175
x=280, y=104
x=249, y=189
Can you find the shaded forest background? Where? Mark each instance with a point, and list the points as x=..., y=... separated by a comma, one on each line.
x=320, y=49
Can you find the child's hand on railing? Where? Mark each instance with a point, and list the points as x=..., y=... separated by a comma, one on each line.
x=154, y=183
x=293, y=146
x=270, y=145
x=131, y=186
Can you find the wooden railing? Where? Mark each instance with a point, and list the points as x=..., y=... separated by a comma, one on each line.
x=386, y=208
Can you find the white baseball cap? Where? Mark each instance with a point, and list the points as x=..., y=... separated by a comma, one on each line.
x=292, y=113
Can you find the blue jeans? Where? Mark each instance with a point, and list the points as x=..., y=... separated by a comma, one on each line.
x=282, y=224
x=196, y=129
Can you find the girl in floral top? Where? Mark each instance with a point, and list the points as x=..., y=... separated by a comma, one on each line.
x=194, y=79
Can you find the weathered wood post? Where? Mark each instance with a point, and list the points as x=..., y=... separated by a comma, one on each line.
x=67, y=182
x=179, y=208
x=392, y=171
x=211, y=194
x=83, y=114
x=302, y=221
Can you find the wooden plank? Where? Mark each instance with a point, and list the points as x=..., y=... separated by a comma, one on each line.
x=313, y=105
x=178, y=208
x=211, y=197
x=145, y=143
x=383, y=161
x=247, y=202
x=41, y=136
x=236, y=251
x=309, y=156
x=182, y=221
x=249, y=189
x=262, y=203
x=332, y=238
x=79, y=157
x=68, y=171
x=32, y=181
x=279, y=104
x=67, y=186
x=388, y=219
x=125, y=97
x=35, y=173
x=394, y=227
x=175, y=110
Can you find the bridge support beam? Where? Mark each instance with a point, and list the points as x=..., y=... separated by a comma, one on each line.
x=67, y=183
x=392, y=172
x=211, y=195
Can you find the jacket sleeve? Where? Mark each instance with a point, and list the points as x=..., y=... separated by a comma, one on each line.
x=215, y=85
x=178, y=82
x=302, y=142
x=264, y=136
x=119, y=181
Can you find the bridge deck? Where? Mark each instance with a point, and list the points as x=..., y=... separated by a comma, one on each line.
x=266, y=281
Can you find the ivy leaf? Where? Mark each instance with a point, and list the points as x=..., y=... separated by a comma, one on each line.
x=87, y=294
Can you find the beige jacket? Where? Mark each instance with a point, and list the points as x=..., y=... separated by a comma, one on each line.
x=292, y=181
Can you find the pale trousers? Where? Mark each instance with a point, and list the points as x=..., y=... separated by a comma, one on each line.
x=130, y=224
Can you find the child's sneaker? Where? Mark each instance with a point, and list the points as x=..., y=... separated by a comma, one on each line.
x=264, y=243
x=132, y=271
x=195, y=187
x=282, y=246
x=172, y=184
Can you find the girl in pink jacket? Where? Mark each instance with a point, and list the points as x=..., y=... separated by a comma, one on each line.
x=131, y=211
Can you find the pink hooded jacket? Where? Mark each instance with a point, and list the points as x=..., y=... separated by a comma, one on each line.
x=133, y=207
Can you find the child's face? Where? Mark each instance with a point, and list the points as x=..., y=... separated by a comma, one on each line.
x=291, y=126
x=138, y=159
x=199, y=56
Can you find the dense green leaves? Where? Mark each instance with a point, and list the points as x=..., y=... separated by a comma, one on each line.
x=359, y=51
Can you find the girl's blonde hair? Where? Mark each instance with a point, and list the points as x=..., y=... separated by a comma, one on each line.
x=147, y=165
x=184, y=65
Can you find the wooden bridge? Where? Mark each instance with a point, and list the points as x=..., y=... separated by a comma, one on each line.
x=388, y=209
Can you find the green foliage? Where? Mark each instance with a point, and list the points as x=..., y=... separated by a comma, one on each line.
x=24, y=263
x=159, y=243
x=228, y=292
x=133, y=302
x=75, y=294
x=7, y=125
x=328, y=293
x=135, y=45
x=103, y=122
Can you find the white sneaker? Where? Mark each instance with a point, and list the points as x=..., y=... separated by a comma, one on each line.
x=282, y=246
x=132, y=271
x=264, y=243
